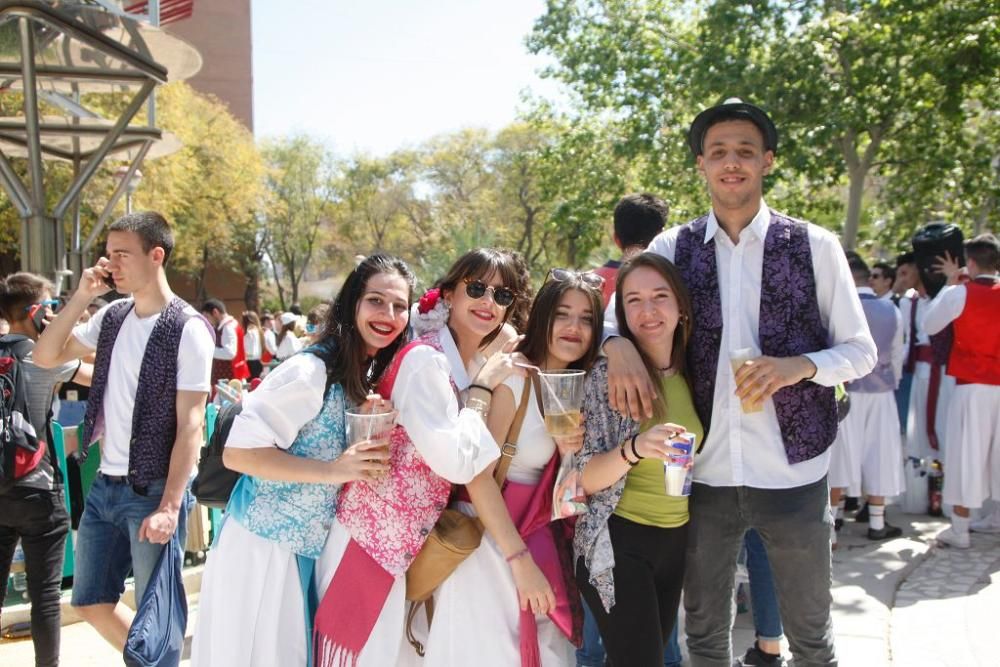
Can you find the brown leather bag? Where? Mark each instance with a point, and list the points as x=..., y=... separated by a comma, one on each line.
x=454, y=537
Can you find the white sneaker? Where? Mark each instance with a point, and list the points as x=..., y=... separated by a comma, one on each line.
x=987, y=524
x=949, y=537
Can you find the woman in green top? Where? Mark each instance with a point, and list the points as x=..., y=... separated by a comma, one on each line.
x=630, y=546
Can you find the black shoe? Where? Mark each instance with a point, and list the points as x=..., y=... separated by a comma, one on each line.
x=838, y=524
x=862, y=515
x=850, y=503
x=887, y=532
x=754, y=657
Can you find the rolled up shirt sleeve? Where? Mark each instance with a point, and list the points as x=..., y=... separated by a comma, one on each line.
x=852, y=352
x=453, y=441
x=288, y=399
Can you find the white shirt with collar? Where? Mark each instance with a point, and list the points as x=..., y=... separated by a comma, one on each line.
x=746, y=449
x=228, y=348
x=922, y=369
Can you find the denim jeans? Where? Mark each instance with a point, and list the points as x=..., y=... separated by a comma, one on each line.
x=108, y=544
x=40, y=520
x=591, y=654
x=794, y=525
x=763, y=601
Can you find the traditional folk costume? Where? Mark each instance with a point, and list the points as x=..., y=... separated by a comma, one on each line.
x=931, y=388
x=477, y=620
x=972, y=459
x=871, y=427
x=381, y=526
x=230, y=358
x=255, y=594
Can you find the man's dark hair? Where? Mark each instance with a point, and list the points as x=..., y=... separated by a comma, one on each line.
x=639, y=218
x=905, y=258
x=984, y=250
x=887, y=269
x=213, y=304
x=295, y=309
x=151, y=227
x=859, y=268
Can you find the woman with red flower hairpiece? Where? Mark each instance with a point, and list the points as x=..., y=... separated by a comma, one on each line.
x=381, y=525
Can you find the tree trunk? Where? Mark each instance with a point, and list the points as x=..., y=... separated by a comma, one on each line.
x=855, y=192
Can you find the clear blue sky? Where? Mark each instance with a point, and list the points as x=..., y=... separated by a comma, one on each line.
x=376, y=75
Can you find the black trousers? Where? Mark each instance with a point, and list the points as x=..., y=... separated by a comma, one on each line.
x=649, y=574
x=256, y=367
x=40, y=520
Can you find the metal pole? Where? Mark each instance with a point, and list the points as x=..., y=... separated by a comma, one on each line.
x=14, y=187
x=98, y=155
x=39, y=237
x=115, y=196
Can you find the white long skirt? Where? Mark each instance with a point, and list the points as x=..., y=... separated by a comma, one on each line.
x=250, y=610
x=476, y=622
x=845, y=472
x=875, y=443
x=384, y=643
x=972, y=460
x=917, y=442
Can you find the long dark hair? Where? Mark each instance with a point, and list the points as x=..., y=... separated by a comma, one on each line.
x=251, y=321
x=351, y=366
x=535, y=345
x=682, y=334
x=480, y=264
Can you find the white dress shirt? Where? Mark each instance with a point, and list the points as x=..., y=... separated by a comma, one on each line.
x=747, y=449
x=947, y=306
x=227, y=350
x=921, y=369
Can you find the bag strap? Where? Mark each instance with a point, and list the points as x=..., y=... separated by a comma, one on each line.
x=509, y=449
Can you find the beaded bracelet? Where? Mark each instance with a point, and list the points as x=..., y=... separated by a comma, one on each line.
x=621, y=450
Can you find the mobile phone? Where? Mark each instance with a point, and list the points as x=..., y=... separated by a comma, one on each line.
x=37, y=314
x=109, y=281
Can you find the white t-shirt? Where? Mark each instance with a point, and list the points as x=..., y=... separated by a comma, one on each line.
x=194, y=372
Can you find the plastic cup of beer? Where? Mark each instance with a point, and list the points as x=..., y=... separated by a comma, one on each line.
x=677, y=468
x=737, y=358
x=367, y=425
x=562, y=396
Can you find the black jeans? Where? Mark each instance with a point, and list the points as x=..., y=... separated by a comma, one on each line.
x=794, y=525
x=40, y=520
x=649, y=572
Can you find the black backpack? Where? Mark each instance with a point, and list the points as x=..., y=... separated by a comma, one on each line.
x=21, y=448
x=214, y=482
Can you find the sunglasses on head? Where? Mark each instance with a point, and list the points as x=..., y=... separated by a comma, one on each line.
x=588, y=278
x=477, y=289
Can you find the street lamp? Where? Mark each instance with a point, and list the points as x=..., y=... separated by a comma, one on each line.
x=131, y=186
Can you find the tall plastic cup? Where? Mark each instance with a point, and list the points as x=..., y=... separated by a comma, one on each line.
x=362, y=426
x=737, y=358
x=562, y=396
x=677, y=469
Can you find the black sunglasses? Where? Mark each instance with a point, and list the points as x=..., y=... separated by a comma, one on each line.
x=477, y=289
x=588, y=278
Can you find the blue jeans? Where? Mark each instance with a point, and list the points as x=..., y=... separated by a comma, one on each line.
x=591, y=654
x=764, y=602
x=108, y=545
x=903, y=399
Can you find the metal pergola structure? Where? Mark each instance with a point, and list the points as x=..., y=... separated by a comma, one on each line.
x=58, y=53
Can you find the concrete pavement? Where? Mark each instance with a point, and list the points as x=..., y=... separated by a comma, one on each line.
x=895, y=603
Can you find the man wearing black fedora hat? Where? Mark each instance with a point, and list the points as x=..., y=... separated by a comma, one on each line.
x=777, y=324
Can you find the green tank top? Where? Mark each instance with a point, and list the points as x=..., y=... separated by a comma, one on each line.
x=645, y=499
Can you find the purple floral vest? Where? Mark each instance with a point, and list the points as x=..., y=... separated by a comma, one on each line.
x=154, y=415
x=881, y=316
x=790, y=325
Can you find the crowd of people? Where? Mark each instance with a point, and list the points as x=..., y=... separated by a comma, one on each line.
x=732, y=331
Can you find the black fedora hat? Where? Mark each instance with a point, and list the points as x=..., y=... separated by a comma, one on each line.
x=732, y=109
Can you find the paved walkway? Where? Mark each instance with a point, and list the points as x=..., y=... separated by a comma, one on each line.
x=899, y=603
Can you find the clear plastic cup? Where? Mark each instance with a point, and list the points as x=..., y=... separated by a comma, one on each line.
x=374, y=426
x=736, y=359
x=562, y=397
x=677, y=469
